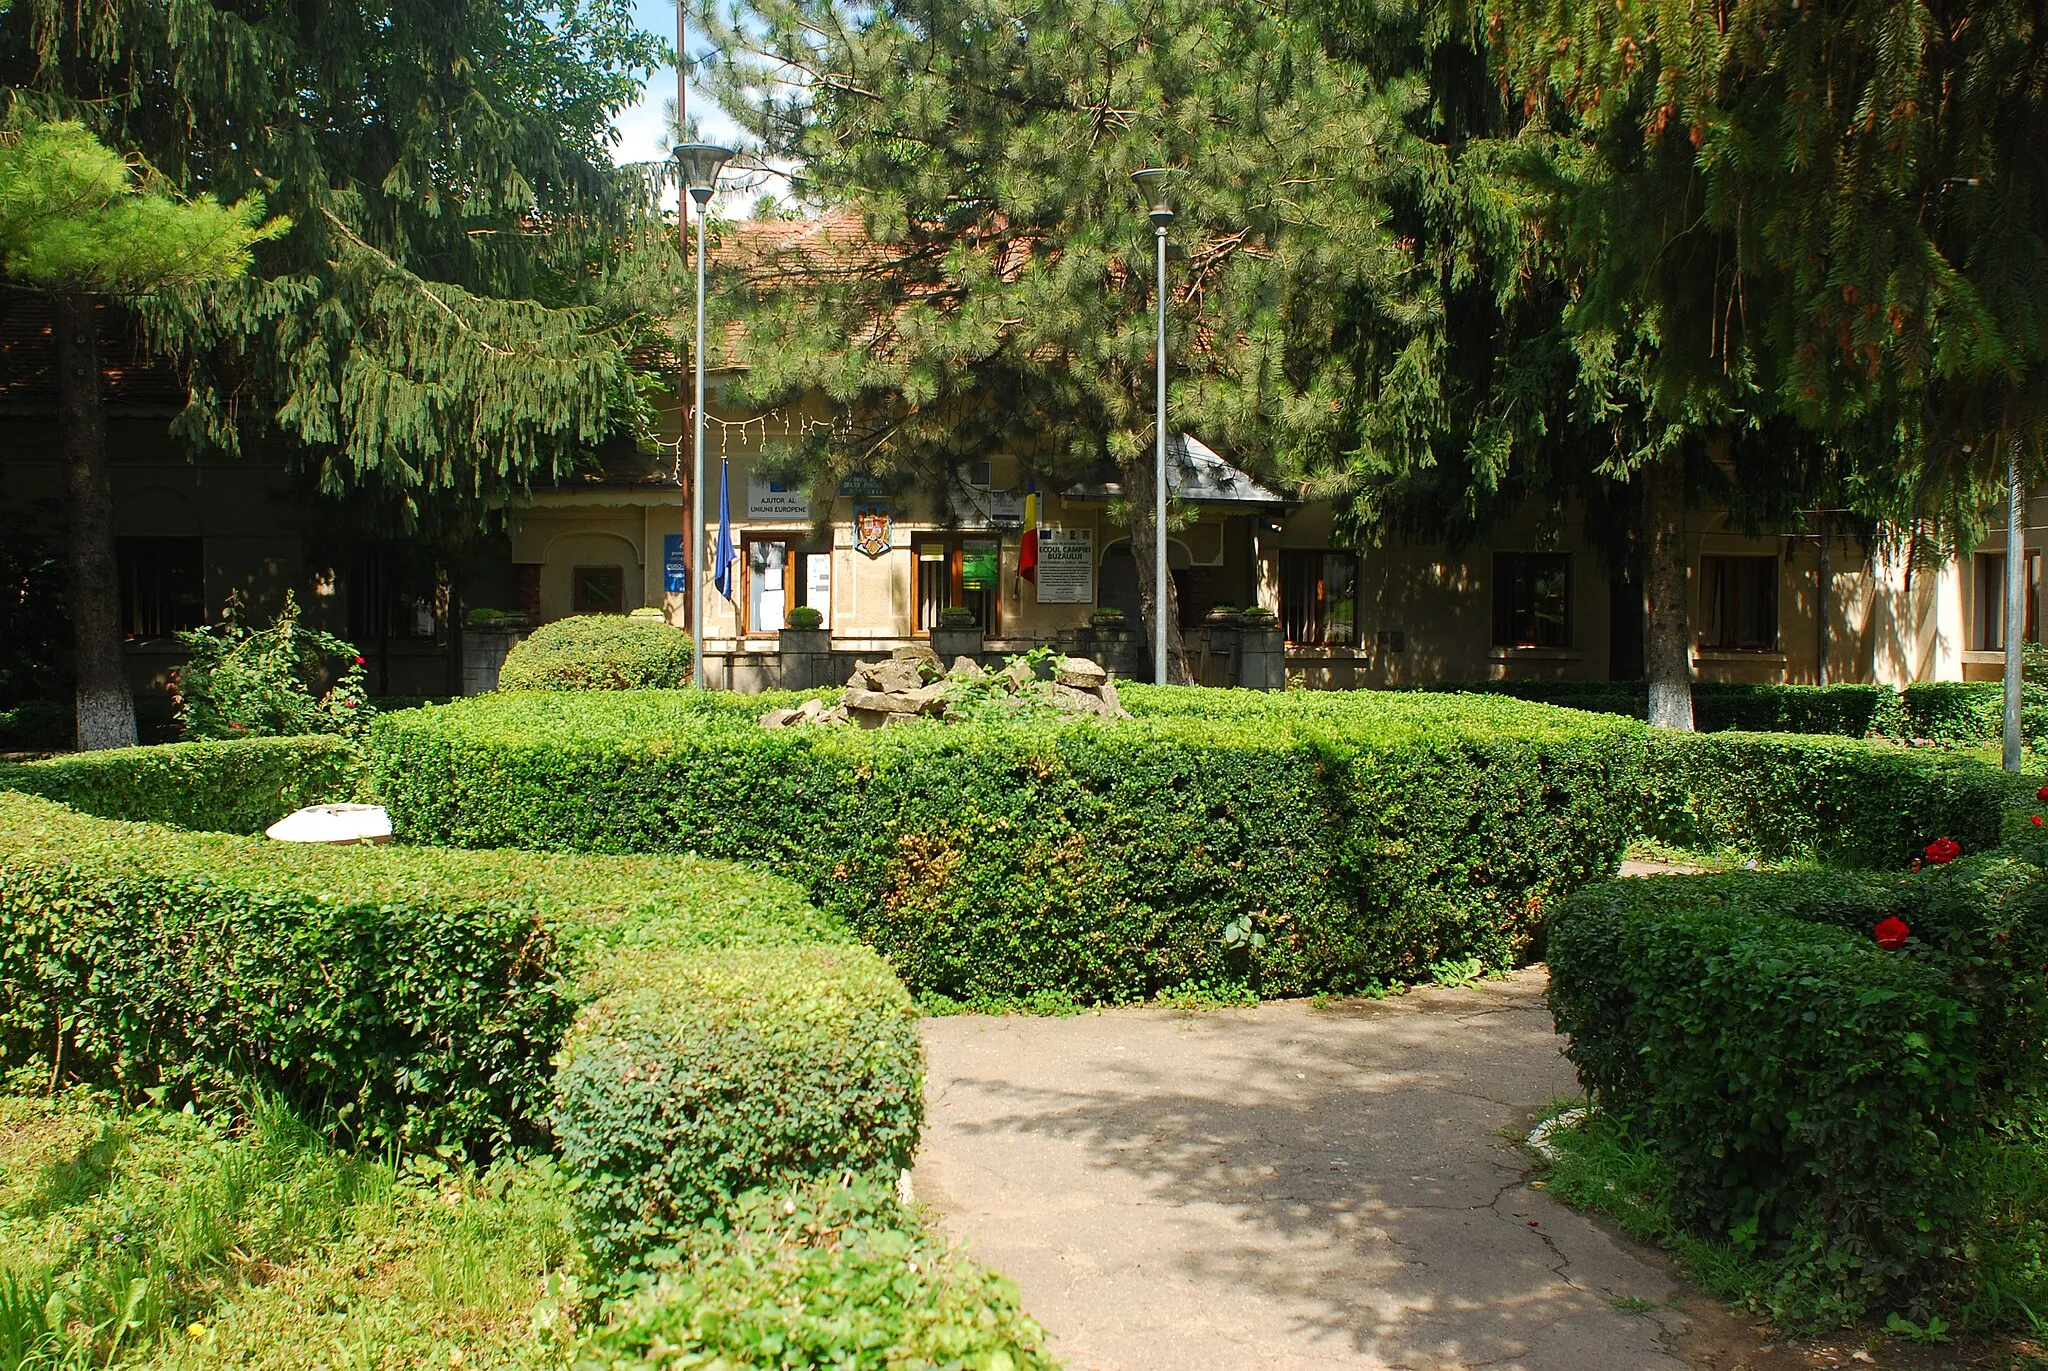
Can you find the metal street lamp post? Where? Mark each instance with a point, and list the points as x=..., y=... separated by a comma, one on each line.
x=699, y=165
x=1152, y=185
x=2015, y=600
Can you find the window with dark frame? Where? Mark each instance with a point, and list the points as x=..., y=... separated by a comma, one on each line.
x=1739, y=604
x=1532, y=599
x=1988, y=601
x=393, y=592
x=1319, y=597
x=775, y=580
x=162, y=585
x=959, y=570
x=597, y=589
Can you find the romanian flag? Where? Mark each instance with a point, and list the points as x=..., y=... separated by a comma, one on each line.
x=1027, y=555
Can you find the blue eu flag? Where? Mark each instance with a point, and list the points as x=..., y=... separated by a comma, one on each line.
x=721, y=565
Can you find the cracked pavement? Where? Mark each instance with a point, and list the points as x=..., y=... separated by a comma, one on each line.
x=1291, y=1186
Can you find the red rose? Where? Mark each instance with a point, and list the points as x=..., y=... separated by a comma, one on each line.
x=2037, y=821
x=1916, y=863
x=1944, y=850
x=2042, y=794
x=1891, y=934
x=359, y=662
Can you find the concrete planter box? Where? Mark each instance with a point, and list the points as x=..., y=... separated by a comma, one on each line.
x=1119, y=651
x=483, y=655
x=806, y=658
x=1262, y=655
x=957, y=642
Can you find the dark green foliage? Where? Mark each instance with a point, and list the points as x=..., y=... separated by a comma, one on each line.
x=1366, y=836
x=1853, y=711
x=1844, y=801
x=599, y=652
x=1837, y=208
x=35, y=726
x=1972, y=713
x=1813, y=1095
x=696, y=1076
x=421, y=330
x=224, y=787
x=34, y=627
x=806, y=1275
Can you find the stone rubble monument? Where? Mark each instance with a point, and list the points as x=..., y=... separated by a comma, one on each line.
x=912, y=684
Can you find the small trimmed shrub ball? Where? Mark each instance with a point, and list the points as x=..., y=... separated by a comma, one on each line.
x=599, y=652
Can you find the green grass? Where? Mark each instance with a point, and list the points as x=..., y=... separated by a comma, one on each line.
x=155, y=1239
x=161, y=1239
x=1601, y=1166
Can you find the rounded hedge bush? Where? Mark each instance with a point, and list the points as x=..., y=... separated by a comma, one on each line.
x=599, y=652
x=1805, y=1084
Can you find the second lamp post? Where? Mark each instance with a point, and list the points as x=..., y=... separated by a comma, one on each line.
x=1152, y=185
x=699, y=165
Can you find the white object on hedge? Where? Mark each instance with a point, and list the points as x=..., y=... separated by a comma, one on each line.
x=333, y=824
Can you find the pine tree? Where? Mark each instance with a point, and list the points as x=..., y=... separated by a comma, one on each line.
x=1006, y=290
x=1829, y=216
x=80, y=223
x=428, y=333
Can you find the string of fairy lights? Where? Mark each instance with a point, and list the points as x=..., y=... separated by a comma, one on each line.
x=791, y=426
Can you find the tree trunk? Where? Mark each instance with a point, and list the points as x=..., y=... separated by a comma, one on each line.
x=106, y=710
x=1138, y=486
x=1667, y=630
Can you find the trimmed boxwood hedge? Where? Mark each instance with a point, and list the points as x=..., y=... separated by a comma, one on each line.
x=686, y=1029
x=1365, y=837
x=1971, y=713
x=1850, y=710
x=242, y=786
x=1811, y=1091
x=693, y=1077
x=1840, y=800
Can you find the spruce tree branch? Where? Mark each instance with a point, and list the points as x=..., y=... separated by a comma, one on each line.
x=419, y=284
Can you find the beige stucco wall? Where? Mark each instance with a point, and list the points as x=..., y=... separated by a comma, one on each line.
x=1881, y=625
x=1886, y=621
x=872, y=598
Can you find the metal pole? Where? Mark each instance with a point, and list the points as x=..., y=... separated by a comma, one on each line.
x=700, y=561
x=683, y=246
x=1159, y=490
x=2015, y=600
x=1824, y=583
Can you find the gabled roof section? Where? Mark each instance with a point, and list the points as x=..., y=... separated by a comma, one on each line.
x=1196, y=474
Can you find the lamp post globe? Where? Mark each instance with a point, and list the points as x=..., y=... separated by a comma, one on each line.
x=698, y=166
x=1152, y=185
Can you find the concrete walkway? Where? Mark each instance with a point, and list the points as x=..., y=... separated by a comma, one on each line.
x=1284, y=1187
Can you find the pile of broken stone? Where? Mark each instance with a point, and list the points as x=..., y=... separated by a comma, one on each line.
x=912, y=684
